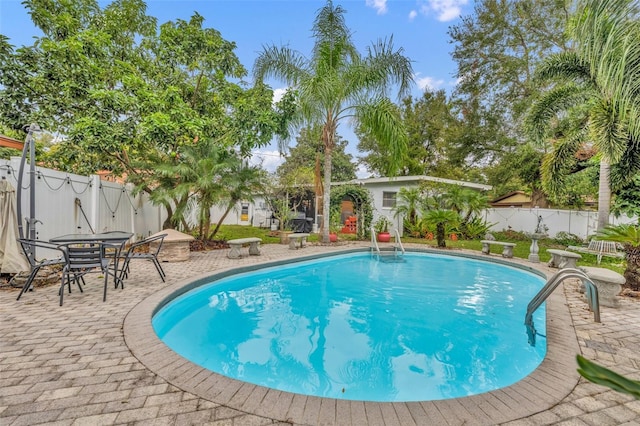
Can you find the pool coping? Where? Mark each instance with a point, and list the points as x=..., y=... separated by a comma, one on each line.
x=553, y=380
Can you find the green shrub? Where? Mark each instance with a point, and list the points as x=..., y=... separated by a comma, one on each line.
x=567, y=239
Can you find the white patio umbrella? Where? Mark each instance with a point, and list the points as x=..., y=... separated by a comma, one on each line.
x=12, y=259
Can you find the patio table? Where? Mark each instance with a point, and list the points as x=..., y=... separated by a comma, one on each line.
x=115, y=239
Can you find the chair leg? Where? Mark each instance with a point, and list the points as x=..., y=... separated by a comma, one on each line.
x=106, y=281
x=124, y=273
x=61, y=291
x=158, y=268
x=28, y=282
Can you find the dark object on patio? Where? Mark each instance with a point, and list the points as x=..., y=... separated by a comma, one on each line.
x=81, y=259
x=152, y=254
x=28, y=247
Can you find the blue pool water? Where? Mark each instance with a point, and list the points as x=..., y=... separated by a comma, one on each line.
x=352, y=327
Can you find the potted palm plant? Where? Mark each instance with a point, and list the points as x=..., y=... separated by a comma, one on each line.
x=381, y=226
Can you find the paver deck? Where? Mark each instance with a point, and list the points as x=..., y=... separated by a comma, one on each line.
x=90, y=362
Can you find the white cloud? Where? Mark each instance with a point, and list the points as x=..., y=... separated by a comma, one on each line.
x=278, y=94
x=429, y=83
x=445, y=10
x=379, y=5
x=362, y=172
x=412, y=15
x=269, y=160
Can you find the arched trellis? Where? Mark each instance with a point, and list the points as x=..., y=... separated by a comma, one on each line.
x=362, y=205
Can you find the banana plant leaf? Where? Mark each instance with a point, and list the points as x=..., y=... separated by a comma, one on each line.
x=603, y=376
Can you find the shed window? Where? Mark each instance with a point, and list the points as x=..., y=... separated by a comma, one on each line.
x=389, y=199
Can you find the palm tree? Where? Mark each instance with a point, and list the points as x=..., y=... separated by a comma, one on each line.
x=241, y=182
x=337, y=83
x=407, y=205
x=595, y=99
x=629, y=236
x=441, y=219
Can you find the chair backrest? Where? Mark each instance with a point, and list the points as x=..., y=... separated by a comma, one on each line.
x=156, y=239
x=602, y=246
x=29, y=246
x=84, y=256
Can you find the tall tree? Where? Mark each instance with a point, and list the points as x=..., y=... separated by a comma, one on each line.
x=337, y=83
x=496, y=50
x=588, y=104
x=129, y=97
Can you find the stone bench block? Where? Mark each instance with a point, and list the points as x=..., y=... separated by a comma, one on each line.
x=609, y=284
x=563, y=259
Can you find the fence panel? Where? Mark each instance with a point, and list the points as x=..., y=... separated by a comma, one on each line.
x=581, y=223
x=67, y=203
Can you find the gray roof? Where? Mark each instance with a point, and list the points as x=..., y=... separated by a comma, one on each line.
x=416, y=180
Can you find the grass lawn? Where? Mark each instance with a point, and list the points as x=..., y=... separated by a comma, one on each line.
x=521, y=250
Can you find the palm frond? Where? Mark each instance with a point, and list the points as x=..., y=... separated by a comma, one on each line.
x=282, y=63
x=558, y=99
x=563, y=66
x=557, y=164
x=381, y=118
x=607, y=132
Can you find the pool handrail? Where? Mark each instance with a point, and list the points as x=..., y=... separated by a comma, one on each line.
x=591, y=293
x=374, y=242
x=398, y=243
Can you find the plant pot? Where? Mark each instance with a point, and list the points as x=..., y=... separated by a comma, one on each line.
x=333, y=237
x=384, y=237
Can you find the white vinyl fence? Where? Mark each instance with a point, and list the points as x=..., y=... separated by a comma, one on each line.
x=577, y=222
x=67, y=203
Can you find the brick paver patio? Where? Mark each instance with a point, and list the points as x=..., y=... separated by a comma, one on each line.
x=92, y=363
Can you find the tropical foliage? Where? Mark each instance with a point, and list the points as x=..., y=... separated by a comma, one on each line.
x=603, y=376
x=442, y=211
x=629, y=236
x=136, y=99
x=592, y=101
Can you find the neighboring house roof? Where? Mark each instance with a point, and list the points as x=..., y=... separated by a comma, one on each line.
x=416, y=179
x=515, y=199
x=11, y=143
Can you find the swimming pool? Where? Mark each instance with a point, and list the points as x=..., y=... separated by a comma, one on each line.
x=432, y=327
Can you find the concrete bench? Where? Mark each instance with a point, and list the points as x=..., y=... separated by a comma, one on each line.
x=235, y=246
x=563, y=259
x=608, y=282
x=507, y=248
x=298, y=240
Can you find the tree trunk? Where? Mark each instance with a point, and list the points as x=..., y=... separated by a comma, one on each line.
x=440, y=235
x=538, y=198
x=224, y=216
x=167, y=224
x=206, y=223
x=326, y=196
x=632, y=273
x=604, y=195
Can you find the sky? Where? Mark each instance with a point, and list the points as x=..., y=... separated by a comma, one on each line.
x=419, y=27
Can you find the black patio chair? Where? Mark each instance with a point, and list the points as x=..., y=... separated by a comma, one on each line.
x=28, y=247
x=134, y=253
x=82, y=258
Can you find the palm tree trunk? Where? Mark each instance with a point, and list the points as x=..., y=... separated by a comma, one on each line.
x=326, y=197
x=632, y=272
x=224, y=216
x=604, y=195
